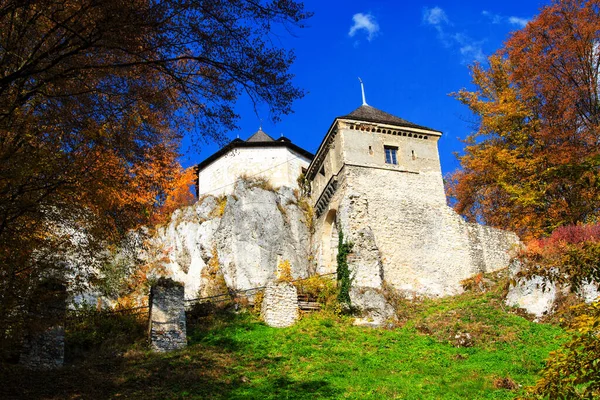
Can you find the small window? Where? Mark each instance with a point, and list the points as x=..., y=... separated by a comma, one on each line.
x=322, y=171
x=391, y=155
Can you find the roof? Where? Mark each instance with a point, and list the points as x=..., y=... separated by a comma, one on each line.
x=258, y=139
x=260, y=136
x=372, y=114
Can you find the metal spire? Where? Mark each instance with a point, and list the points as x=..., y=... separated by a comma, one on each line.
x=362, y=88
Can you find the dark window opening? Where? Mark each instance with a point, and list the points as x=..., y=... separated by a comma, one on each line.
x=391, y=155
x=322, y=171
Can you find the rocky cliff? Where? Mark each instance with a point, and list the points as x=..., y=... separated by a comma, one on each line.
x=237, y=240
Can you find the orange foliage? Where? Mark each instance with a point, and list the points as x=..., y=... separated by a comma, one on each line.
x=178, y=195
x=94, y=97
x=534, y=163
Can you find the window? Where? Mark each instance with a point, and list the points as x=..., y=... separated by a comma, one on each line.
x=391, y=155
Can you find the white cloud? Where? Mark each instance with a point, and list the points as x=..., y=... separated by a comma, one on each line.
x=498, y=19
x=495, y=18
x=469, y=48
x=364, y=22
x=520, y=22
x=435, y=16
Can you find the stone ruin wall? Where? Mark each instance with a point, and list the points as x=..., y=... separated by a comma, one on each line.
x=167, y=330
x=280, y=304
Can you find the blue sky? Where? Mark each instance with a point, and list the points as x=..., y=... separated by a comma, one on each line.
x=410, y=55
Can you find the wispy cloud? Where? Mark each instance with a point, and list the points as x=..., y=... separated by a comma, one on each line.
x=470, y=49
x=520, y=22
x=435, y=16
x=364, y=22
x=501, y=19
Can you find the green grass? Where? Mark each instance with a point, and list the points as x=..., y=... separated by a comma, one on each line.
x=237, y=357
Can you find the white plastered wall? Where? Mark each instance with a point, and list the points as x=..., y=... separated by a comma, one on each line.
x=280, y=165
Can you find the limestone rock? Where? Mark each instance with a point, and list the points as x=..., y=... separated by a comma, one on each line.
x=375, y=311
x=256, y=229
x=531, y=296
x=259, y=229
x=280, y=304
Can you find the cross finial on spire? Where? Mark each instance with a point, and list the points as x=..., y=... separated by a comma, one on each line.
x=362, y=88
x=260, y=126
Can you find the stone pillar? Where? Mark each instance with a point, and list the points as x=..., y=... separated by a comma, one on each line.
x=44, y=341
x=167, y=329
x=280, y=304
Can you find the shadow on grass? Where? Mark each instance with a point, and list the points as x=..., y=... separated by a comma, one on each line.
x=212, y=367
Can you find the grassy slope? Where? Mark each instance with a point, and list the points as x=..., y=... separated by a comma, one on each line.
x=237, y=357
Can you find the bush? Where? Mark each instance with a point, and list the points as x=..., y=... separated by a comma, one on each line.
x=573, y=371
x=343, y=271
x=568, y=256
x=284, y=271
x=323, y=289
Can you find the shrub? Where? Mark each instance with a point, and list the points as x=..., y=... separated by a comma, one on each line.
x=309, y=214
x=257, y=182
x=321, y=288
x=284, y=271
x=343, y=271
x=93, y=333
x=214, y=281
x=258, y=300
x=573, y=371
x=569, y=256
x=219, y=209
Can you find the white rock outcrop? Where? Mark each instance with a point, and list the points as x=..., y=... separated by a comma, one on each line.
x=538, y=296
x=249, y=232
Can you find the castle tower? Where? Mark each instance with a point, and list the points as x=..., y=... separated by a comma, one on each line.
x=378, y=178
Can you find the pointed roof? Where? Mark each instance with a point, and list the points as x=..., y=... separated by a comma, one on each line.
x=372, y=114
x=260, y=136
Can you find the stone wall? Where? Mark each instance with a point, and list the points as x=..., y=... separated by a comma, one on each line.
x=404, y=234
x=44, y=343
x=280, y=304
x=167, y=329
x=425, y=247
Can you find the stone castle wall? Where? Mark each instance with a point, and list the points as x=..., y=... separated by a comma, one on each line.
x=396, y=216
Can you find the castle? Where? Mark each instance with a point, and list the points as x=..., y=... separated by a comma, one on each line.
x=378, y=178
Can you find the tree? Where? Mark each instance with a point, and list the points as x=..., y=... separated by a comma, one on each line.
x=94, y=97
x=534, y=162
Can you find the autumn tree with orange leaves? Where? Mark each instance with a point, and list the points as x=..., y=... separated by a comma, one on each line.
x=533, y=166
x=534, y=162
x=94, y=96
